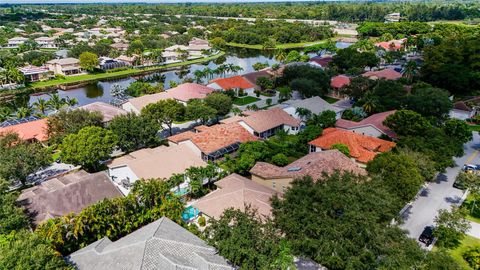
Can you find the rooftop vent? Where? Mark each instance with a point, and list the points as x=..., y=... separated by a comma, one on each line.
x=294, y=169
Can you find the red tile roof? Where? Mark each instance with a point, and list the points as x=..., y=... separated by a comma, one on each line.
x=215, y=137
x=29, y=131
x=235, y=191
x=339, y=81
x=375, y=120
x=388, y=74
x=313, y=164
x=233, y=83
x=185, y=92
x=362, y=148
x=389, y=45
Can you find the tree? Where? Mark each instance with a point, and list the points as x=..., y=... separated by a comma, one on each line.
x=306, y=87
x=89, y=147
x=165, y=112
x=325, y=119
x=411, y=71
x=303, y=113
x=458, y=130
x=140, y=88
x=135, y=132
x=451, y=227
x=198, y=110
x=249, y=240
x=472, y=256
x=357, y=87
x=55, y=102
x=264, y=83
x=284, y=93
x=407, y=123
x=42, y=106
x=220, y=102
x=88, y=61
x=71, y=121
x=20, y=159
x=280, y=160
x=12, y=217
x=259, y=65
x=218, y=43
x=429, y=101
x=342, y=148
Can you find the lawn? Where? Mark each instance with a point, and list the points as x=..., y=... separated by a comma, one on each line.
x=466, y=244
x=278, y=46
x=330, y=99
x=245, y=100
x=130, y=71
x=474, y=127
x=475, y=215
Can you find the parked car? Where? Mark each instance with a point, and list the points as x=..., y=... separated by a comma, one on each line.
x=427, y=236
x=470, y=168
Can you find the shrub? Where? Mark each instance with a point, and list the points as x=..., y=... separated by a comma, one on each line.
x=472, y=256
x=342, y=148
x=280, y=160
x=201, y=221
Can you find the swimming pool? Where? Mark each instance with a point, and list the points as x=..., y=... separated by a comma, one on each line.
x=190, y=213
x=181, y=191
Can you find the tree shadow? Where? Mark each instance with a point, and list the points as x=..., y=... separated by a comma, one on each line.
x=441, y=177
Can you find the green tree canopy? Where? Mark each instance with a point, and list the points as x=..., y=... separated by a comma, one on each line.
x=220, y=102
x=165, y=112
x=429, y=101
x=199, y=110
x=88, y=61
x=71, y=121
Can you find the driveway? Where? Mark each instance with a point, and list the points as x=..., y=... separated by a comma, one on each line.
x=439, y=194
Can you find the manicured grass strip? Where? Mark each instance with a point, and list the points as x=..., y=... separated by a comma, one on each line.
x=127, y=72
x=475, y=214
x=279, y=46
x=474, y=127
x=465, y=245
x=330, y=99
x=245, y=100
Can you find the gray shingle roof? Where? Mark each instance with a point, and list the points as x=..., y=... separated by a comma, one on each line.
x=162, y=244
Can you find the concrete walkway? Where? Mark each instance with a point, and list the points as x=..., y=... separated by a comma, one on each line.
x=474, y=230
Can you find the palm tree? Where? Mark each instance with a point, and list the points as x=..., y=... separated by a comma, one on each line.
x=236, y=111
x=5, y=113
x=41, y=105
x=281, y=55
x=208, y=72
x=303, y=113
x=71, y=102
x=56, y=102
x=220, y=70
x=284, y=93
x=199, y=74
x=24, y=112
x=370, y=103
x=411, y=70
x=235, y=69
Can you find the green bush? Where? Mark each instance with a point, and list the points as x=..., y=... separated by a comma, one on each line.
x=472, y=256
x=280, y=160
x=201, y=221
x=342, y=148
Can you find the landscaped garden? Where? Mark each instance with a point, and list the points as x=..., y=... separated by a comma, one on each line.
x=241, y=101
x=458, y=253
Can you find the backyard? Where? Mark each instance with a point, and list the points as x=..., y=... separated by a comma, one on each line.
x=241, y=101
x=467, y=243
x=468, y=204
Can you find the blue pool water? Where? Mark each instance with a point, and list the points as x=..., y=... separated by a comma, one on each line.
x=180, y=192
x=190, y=213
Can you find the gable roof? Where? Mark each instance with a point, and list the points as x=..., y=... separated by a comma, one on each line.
x=108, y=111
x=162, y=244
x=388, y=74
x=374, y=120
x=65, y=194
x=235, y=191
x=30, y=130
x=140, y=102
x=253, y=76
x=264, y=120
x=232, y=83
x=339, y=81
x=160, y=162
x=313, y=164
x=315, y=104
x=64, y=61
x=321, y=60
x=362, y=148
x=216, y=137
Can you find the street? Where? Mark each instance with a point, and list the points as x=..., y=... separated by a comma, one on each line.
x=439, y=194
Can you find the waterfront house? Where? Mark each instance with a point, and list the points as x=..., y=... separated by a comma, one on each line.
x=35, y=74
x=65, y=67
x=234, y=83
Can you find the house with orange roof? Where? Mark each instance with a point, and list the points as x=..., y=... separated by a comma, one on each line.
x=234, y=83
x=265, y=123
x=387, y=74
x=314, y=165
x=371, y=126
x=339, y=81
x=35, y=131
x=212, y=143
x=362, y=148
x=392, y=45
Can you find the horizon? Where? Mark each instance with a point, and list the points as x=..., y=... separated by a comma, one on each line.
x=168, y=1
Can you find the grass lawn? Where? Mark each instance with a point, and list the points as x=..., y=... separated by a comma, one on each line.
x=130, y=71
x=279, y=46
x=245, y=100
x=56, y=155
x=475, y=215
x=474, y=127
x=330, y=99
x=466, y=244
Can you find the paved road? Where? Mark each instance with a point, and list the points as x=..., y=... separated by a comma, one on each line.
x=440, y=194
x=474, y=230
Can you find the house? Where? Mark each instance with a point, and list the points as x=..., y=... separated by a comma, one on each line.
x=106, y=63
x=152, y=163
x=182, y=93
x=176, y=48
x=235, y=191
x=392, y=17
x=212, y=143
x=235, y=83
x=265, y=123
x=65, y=194
x=314, y=165
x=362, y=148
x=170, y=57
x=16, y=42
x=464, y=110
x=387, y=74
x=160, y=245
x=197, y=46
x=35, y=130
x=46, y=42
x=128, y=60
x=65, y=66
x=316, y=105
x=371, y=126
x=340, y=81
x=320, y=61
x=108, y=111
x=35, y=74
x=252, y=77
x=123, y=47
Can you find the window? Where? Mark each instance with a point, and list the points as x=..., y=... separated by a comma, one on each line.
x=273, y=184
x=283, y=188
x=313, y=149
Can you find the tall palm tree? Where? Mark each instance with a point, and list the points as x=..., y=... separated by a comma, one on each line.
x=303, y=113
x=56, y=102
x=370, y=102
x=236, y=111
x=24, y=112
x=235, y=69
x=71, y=102
x=208, y=72
x=199, y=74
x=41, y=105
x=281, y=56
x=411, y=70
